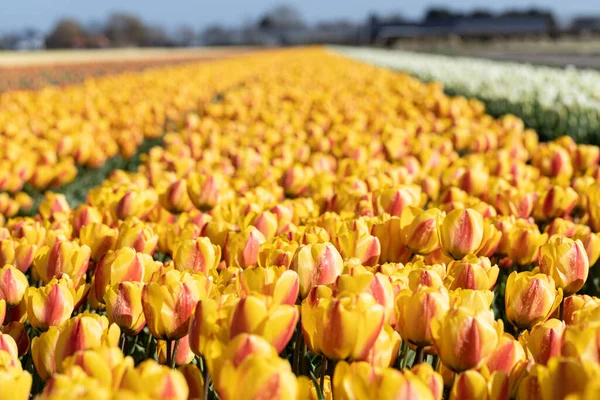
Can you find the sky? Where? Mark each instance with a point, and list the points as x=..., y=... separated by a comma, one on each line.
x=42, y=14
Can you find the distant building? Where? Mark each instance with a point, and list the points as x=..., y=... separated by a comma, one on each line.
x=467, y=27
x=586, y=24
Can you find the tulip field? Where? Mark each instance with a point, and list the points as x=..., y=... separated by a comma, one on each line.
x=553, y=101
x=291, y=225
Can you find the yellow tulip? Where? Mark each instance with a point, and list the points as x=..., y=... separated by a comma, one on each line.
x=168, y=302
x=460, y=232
x=566, y=261
x=464, y=340
x=530, y=297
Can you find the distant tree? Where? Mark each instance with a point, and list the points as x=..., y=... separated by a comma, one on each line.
x=185, y=36
x=216, y=35
x=282, y=17
x=534, y=12
x=481, y=14
x=156, y=36
x=439, y=13
x=126, y=30
x=67, y=33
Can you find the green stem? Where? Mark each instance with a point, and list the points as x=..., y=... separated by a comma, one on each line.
x=148, y=346
x=296, y=364
x=169, y=341
x=561, y=309
x=303, y=367
x=123, y=342
x=418, y=356
x=174, y=354
x=403, y=350
x=323, y=369
x=435, y=363
x=131, y=348
x=405, y=361
x=206, y=379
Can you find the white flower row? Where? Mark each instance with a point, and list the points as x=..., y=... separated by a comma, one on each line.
x=571, y=94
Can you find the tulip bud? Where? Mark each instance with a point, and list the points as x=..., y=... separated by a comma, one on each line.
x=545, y=340
x=209, y=321
x=476, y=385
x=241, y=248
x=530, y=298
x=474, y=300
x=419, y=229
x=508, y=353
x=472, y=273
x=83, y=216
x=431, y=378
x=524, y=241
x=385, y=349
x=255, y=377
x=504, y=225
x=394, y=200
x=275, y=323
x=241, y=347
x=168, y=302
x=54, y=207
x=204, y=190
x=123, y=265
x=99, y=238
x=591, y=243
x=463, y=340
x=105, y=364
x=295, y=180
x=62, y=258
x=491, y=239
x=555, y=202
x=124, y=306
x=13, y=284
x=361, y=380
x=566, y=261
x=50, y=305
x=266, y=223
x=18, y=253
x=416, y=310
x=17, y=331
x=137, y=203
x=198, y=255
x=138, y=235
x=563, y=376
x=322, y=320
x=475, y=181
x=423, y=275
x=317, y=264
x=586, y=156
x=562, y=227
x=83, y=332
x=15, y=384
x=155, y=381
x=392, y=250
x=43, y=350
x=194, y=379
x=574, y=304
x=460, y=232
x=8, y=344
x=282, y=284
x=175, y=198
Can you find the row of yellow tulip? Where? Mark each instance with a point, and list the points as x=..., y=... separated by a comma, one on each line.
x=47, y=134
x=327, y=230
